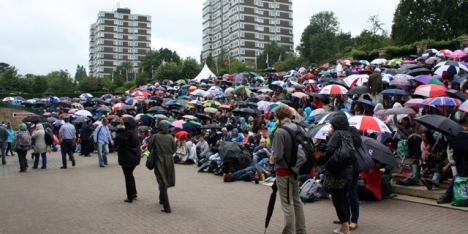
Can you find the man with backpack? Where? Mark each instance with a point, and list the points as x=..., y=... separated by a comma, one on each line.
x=287, y=172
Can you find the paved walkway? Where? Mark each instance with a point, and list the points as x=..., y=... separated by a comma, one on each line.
x=89, y=199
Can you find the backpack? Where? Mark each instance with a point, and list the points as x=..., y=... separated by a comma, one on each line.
x=49, y=139
x=343, y=157
x=303, y=152
x=24, y=140
x=364, y=161
x=308, y=190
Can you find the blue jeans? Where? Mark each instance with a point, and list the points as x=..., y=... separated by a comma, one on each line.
x=238, y=175
x=44, y=159
x=353, y=199
x=262, y=166
x=3, y=147
x=102, y=150
x=255, y=161
x=207, y=164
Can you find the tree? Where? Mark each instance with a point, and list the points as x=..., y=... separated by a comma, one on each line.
x=236, y=66
x=9, y=79
x=89, y=84
x=155, y=58
x=190, y=68
x=80, y=73
x=274, y=52
x=373, y=38
x=60, y=82
x=122, y=73
x=141, y=79
x=170, y=71
x=416, y=20
x=4, y=66
x=290, y=62
x=39, y=84
x=318, y=41
x=210, y=62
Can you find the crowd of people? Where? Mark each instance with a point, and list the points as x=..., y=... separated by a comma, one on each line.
x=231, y=126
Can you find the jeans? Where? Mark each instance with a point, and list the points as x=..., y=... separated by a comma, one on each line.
x=9, y=149
x=239, y=175
x=3, y=147
x=102, y=150
x=340, y=202
x=23, y=162
x=294, y=220
x=44, y=160
x=255, y=161
x=67, y=148
x=129, y=182
x=262, y=166
x=353, y=199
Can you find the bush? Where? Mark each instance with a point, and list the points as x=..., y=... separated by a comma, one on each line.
x=129, y=84
x=41, y=95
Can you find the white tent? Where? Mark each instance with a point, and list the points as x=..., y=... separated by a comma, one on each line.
x=204, y=74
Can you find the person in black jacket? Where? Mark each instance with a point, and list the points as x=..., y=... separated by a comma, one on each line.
x=86, y=138
x=338, y=182
x=129, y=154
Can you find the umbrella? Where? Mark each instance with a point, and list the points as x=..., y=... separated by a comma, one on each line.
x=198, y=92
x=180, y=81
x=211, y=110
x=144, y=128
x=112, y=117
x=202, y=116
x=58, y=122
x=211, y=103
x=159, y=116
x=457, y=94
x=417, y=72
x=427, y=79
x=442, y=102
x=178, y=124
x=191, y=117
x=458, y=143
x=51, y=119
x=98, y=100
x=129, y=101
x=401, y=82
x=182, y=135
x=211, y=126
x=215, y=92
x=358, y=90
x=47, y=114
x=368, y=124
x=394, y=62
x=83, y=113
x=357, y=62
x=450, y=66
x=365, y=101
x=86, y=96
x=270, y=69
x=430, y=90
x=178, y=112
x=379, y=151
x=252, y=104
x=319, y=131
x=457, y=54
x=248, y=111
x=127, y=116
x=144, y=117
x=185, y=104
x=126, y=107
x=190, y=126
x=396, y=111
x=35, y=118
x=271, y=204
x=242, y=90
x=445, y=53
x=339, y=82
x=157, y=109
x=300, y=94
x=390, y=71
x=117, y=106
x=116, y=120
x=333, y=89
x=82, y=119
x=77, y=105
x=378, y=61
x=356, y=80
x=264, y=90
x=440, y=123
x=327, y=117
x=391, y=92
x=184, y=98
x=104, y=109
x=414, y=102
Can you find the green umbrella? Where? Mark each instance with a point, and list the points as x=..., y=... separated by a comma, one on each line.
x=260, y=79
x=241, y=90
x=184, y=98
x=146, y=116
x=190, y=126
x=104, y=109
x=435, y=81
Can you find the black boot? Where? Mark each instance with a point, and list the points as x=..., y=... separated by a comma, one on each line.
x=164, y=200
x=428, y=183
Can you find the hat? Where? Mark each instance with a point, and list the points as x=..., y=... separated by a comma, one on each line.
x=377, y=70
x=224, y=129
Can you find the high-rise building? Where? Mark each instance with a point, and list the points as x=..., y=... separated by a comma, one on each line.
x=116, y=37
x=245, y=27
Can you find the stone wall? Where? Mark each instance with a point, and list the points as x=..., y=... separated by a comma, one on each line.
x=15, y=114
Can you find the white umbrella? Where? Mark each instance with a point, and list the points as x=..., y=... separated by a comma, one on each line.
x=229, y=90
x=352, y=79
x=319, y=131
x=368, y=124
x=198, y=92
x=379, y=61
x=83, y=113
x=189, y=117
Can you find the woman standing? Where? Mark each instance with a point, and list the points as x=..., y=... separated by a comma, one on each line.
x=11, y=133
x=40, y=148
x=163, y=147
x=128, y=154
x=22, y=143
x=338, y=181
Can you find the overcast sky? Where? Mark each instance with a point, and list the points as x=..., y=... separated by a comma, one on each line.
x=40, y=36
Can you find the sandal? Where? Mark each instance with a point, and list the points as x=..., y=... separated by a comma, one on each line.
x=353, y=226
x=336, y=221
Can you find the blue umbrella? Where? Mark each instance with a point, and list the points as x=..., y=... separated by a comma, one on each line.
x=129, y=101
x=392, y=92
x=365, y=101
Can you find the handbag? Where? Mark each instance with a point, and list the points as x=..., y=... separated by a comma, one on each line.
x=343, y=157
x=460, y=191
x=364, y=160
x=151, y=160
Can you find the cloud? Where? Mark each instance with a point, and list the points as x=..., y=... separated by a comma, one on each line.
x=42, y=36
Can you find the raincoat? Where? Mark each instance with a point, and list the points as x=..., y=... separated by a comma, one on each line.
x=163, y=146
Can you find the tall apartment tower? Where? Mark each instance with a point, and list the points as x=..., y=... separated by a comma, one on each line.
x=116, y=37
x=244, y=27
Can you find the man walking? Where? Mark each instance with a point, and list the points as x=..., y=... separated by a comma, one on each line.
x=3, y=142
x=67, y=137
x=286, y=179
x=102, y=137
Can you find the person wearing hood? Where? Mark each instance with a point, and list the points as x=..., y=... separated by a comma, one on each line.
x=22, y=151
x=375, y=86
x=40, y=148
x=163, y=147
x=339, y=182
x=235, y=136
x=129, y=154
x=242, y=124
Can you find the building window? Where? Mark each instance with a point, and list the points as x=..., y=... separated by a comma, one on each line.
x=118, y=16
x=242, y=34
x=290, y=32
x=118, y=22
x=278, y=38
x=257, y=53
x=116, y=49
x=118, y=36
x=148, y=18
x=278, y=29
x=120, y=43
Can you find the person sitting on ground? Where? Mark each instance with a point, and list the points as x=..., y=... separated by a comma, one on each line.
x=235, y=136
x=202, y=147
x=181, y=152
x=371, y=191
x=261, y=152
x=247, y=174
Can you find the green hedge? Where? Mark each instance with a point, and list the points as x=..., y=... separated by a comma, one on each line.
x=400, y=51
x=41, y=95
x=361, y=55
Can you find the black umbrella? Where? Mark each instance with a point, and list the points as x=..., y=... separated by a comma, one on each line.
x=356, y=62
x=314, y=95
x=202, y=116
x=35, y=118
x=127, y=107
x=81, y=119
x=211, y=126
x=156, y=109
x=144, y=128
x=248, y=111
x=458, y=143
x=62, y=104
x=114, y=100
x=358, y=90
x=178, y=112
x=156, y=98
x=396, y=111
x=379, y=151
x=365, y=72
x=90, y=108
x=391, y=71
x=241, y=103
x=274, y=87
x=270, y=69
x=271, y=205
x=365, y=101
x=98, y=100
x=440, y=123
x=418, y=72
x=391, y=92
x=116, y=120
x=457, y=94
x=252, y=104
x=339, y=82
x=298, y=87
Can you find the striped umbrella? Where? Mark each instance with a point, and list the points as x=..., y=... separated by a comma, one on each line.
x=442, y=102
x=431, y=90
x=444, y=53
x=185, y=103
x=333, y=89
x=184, y=98
x=368, y=124
x=450, y=66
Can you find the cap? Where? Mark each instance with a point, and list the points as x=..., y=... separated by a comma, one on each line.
x=224, y=129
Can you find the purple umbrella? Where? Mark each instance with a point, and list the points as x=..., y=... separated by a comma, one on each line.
x=215, y=92
x=238, y=78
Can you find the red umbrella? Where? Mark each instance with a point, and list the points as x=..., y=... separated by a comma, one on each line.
x=431, y=90
x=62, y=115
x=333, y=89
x=368, y=124
x=111, y=117
x=182, y=135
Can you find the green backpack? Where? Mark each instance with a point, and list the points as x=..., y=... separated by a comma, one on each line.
x=402, y=148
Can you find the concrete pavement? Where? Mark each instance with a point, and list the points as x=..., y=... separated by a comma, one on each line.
x=89, y=199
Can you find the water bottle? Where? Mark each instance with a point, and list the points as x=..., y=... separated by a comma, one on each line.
x=256, y=177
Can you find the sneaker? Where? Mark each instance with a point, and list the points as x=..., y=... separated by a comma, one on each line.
x=443, y=200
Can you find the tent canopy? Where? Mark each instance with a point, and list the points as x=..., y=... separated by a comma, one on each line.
x=204, y=74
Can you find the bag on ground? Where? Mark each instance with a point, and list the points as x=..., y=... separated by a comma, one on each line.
x=308, y=190
x=460, y=191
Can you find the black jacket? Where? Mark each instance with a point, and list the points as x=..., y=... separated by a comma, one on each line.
x=340, y=125
x=86, y=131
x=129, y=153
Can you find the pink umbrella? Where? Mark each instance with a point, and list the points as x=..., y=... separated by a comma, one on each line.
x=178, y=124
x=300, y=94
x=415, y=102
x=408, y=62
x=46, y=114
x=457, y=54
x=400, y=81
x=264, y=90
